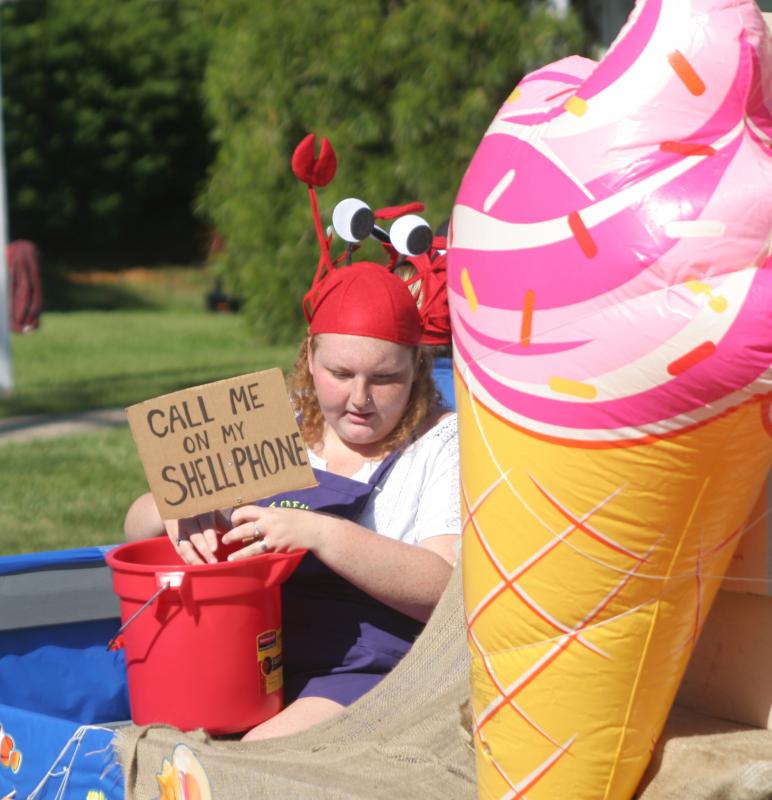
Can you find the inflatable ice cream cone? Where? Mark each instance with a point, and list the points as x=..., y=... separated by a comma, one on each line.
x=611, y=297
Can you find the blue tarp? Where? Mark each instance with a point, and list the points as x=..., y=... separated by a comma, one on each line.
x=65, y=671
x=26, y=562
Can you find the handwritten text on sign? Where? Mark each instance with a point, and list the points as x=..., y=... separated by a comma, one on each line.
x=219, y=445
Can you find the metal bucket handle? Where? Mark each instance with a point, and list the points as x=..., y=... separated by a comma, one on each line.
x=164, y=580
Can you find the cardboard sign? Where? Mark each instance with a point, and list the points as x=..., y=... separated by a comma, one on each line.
x=222, y=444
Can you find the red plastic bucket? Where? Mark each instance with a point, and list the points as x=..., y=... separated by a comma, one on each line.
x=206, y=653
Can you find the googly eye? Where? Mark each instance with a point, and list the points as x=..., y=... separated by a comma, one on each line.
x=411, y=235
x=353, y=220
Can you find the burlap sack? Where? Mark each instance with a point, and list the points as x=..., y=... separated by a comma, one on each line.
x=705, y=758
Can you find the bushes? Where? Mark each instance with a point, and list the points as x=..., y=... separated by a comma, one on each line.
x=404, y=91
x=106, y=142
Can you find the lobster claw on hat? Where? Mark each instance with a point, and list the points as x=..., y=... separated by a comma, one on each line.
x=312, y=169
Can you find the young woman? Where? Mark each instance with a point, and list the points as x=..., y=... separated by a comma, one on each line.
x=382, y=528
x=382, y=548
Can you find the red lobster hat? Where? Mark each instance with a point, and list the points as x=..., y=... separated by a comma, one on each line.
x=431, y=294
x=363, y=298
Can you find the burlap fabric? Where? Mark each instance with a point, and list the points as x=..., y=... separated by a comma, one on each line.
x=410, y=738
x=704, y=758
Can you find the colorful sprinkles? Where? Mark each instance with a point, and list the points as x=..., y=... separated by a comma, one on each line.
x=688, y=148
x=716, y=302
x=582, y=235
x=573, y=388
x=498, y=190
x=469, y=292
x=695, y=229
x=576, y=106
x=560, y=94
x=686, y=72
x=692, y=358
x=529, y=301
x=514, y=96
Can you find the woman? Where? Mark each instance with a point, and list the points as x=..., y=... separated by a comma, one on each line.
x=379, y=561
x=382, y=527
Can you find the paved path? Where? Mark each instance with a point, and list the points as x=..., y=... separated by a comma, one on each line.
x=25, y=429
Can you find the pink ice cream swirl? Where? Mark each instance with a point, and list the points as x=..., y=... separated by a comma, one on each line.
x=609, y=265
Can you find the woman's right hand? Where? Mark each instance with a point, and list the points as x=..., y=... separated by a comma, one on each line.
x=197, y=539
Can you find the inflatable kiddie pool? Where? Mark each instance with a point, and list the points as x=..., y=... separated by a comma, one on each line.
x=62, y=693
x=611, y=300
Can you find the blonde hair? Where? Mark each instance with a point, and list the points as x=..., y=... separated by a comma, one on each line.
x=405, y=272
x=415, y=419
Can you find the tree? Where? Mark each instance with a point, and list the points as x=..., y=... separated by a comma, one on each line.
x=106, y=140
x=404, y=90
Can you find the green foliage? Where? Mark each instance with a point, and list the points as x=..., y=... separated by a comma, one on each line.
x=106, y=141
x=404, y=90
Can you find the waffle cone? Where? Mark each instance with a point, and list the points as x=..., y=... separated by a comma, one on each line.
x=588, y=574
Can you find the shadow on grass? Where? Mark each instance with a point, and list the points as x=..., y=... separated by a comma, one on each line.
x=61, y=293
x=86, y=395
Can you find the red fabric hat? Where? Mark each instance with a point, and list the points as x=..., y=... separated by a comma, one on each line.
x=365, y=299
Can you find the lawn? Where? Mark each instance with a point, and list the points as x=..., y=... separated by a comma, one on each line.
x=132, y=336
x=67, y=492
x=107, y=341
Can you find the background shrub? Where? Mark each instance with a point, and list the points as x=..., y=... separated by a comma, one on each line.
x=106, y=140
x=108, y=143
x=403, y=90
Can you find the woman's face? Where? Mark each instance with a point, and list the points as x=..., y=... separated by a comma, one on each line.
x=362, y=385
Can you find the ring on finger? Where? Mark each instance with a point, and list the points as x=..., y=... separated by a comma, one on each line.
x=255, y=535
x=262, y=546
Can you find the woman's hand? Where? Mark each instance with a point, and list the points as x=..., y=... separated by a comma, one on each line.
x=196, y=539
x=274, y=530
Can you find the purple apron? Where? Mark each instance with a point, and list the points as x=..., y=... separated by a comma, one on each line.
x=338, y=641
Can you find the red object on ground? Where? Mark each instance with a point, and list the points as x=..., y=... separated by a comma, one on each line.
x=206, y=653
x=26, y=295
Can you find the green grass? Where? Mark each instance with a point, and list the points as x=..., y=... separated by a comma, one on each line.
x=67, y=492
x=99, y=359
x=115, y=356
x=145, y=333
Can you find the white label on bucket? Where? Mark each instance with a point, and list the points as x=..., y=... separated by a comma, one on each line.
x=169, y=580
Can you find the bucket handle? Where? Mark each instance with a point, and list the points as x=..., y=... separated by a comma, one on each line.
x=165, y=580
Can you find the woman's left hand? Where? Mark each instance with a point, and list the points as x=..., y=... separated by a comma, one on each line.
x=274, y=530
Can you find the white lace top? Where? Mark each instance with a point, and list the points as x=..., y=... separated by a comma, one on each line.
x=419, y=497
